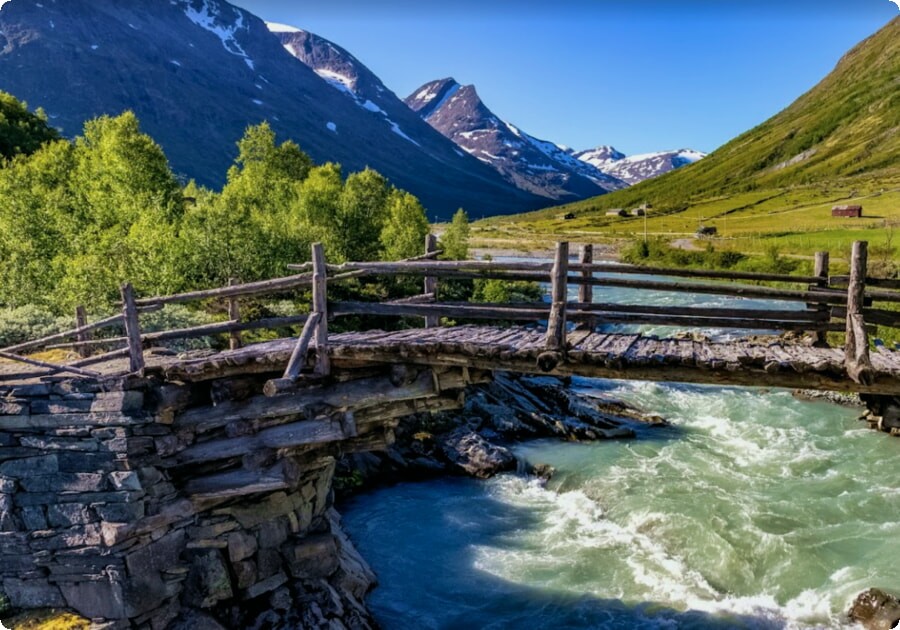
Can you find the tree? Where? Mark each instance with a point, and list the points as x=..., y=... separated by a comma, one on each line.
x=21, y=132
x=362, y=212
x=118, y=167
x=403, y=235
x=455, y=240
x=320, y=199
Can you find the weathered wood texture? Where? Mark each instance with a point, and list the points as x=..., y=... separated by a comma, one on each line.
x=132, y=329
x=559, y=294
x=234, y=314
x=820, y=270
x=856, y=350
x=320, y=306
x=298, y=358
x=430, y=282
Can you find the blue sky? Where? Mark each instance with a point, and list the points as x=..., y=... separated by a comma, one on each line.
x=639, y=75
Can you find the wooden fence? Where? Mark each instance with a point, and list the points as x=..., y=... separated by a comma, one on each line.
x=831, y=304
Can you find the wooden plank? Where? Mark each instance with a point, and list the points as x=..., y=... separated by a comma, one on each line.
x=820, y=270
x=585, y=290
x=767, y=293
x=856, y=349
x=80, y=323
x=472, y=311
x=234, y=314
x=356, y=394
x=702, y=311
x=298, y=357
x=430, y=282
x=320, y=306
x=559, y=295
x=132, y=330
x=712, y=274
x=54, y=367
x=43, y=341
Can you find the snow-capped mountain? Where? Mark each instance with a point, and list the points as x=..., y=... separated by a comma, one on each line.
x=535, y=165
x=636, y=168
x=198, y=72
x=348, y=75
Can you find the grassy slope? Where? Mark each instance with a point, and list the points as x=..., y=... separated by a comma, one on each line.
x=840, y=142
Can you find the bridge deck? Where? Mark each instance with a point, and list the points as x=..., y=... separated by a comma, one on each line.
x=752, y=361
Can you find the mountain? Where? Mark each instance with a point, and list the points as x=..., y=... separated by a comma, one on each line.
x=529, y=163
x=634, y=169
x=844, y=131
x=198, y=72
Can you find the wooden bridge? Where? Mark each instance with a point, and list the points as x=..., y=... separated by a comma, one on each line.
x=135, y=482
x=560, y=337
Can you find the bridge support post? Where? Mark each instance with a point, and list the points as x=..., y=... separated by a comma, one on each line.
x=81, y=322
x=821, y=271
x=431, y=321
x=586, y=290
x=234, y=314
x=856, y=347
x=320, y=306
x=559, y=292
x=132, y=329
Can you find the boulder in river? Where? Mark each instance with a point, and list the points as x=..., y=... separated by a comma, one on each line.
x=876, y=610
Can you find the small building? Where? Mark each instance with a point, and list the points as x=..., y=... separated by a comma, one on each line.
x=616, y=212
x=638, y=212
x=569, y=216
x=847, y=211
x=706, y=230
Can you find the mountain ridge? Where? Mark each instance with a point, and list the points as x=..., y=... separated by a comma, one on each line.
x=197, y=73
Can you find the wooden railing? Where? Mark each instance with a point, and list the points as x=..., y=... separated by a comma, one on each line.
x=827, y=301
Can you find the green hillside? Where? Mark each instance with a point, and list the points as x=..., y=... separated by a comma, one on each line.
x=838, y=142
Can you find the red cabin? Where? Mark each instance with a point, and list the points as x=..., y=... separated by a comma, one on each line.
x=847, y=211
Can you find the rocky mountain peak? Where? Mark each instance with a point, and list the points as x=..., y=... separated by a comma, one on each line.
x=541, y=167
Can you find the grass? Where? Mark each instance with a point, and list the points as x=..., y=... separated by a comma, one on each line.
x=47, y=620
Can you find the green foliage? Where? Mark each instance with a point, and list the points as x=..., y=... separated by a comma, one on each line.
x=175, y=316
x=403, y=235
x=78, y=219
x=21, y=132
x=362, y=213
x=24, y=323
x=506, y=291
x=455, y=240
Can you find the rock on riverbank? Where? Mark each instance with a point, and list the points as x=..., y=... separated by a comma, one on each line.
x=475, y=441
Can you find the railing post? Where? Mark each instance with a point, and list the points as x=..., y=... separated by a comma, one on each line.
x=821, y=271
x=81, y=322
x=132, y=330
x=431, y=321
x=320, y=306
x=234, y=314
x=586, y=291
x=559, y=292
x=856, y=350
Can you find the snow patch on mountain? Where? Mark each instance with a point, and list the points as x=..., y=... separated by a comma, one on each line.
x=211, y=16
x=275, y=27
x=451, y=93
x=637, y=168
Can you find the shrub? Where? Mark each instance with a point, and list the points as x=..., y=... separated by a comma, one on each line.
x=25, y=323
x=179, y=316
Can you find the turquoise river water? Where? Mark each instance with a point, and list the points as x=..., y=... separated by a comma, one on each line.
x=752, y=510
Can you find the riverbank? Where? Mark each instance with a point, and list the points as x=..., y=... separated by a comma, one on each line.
x=479, y=440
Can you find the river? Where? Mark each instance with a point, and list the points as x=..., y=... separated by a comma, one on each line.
x=752, y=510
